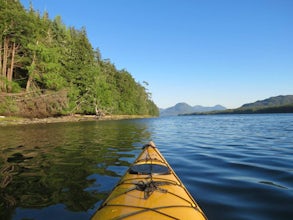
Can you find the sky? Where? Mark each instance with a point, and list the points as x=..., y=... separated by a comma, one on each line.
x=202, y=52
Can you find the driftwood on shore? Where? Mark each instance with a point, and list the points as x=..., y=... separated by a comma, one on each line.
x=72, y=118
x=37, y=104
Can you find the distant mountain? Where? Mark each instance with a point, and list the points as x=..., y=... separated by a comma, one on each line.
x=176, y=109
x=277, y=104
x=199, y=108
x=184, y=108
x=271, y=102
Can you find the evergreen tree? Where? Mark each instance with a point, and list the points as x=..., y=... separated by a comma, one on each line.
x=14, y=28
x=37, y=53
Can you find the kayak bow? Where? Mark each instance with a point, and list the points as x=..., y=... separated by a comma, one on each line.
x=150, y=189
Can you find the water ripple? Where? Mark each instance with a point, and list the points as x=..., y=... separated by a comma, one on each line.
x=236, y=166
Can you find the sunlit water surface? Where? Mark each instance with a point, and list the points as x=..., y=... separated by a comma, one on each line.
x=236, y=166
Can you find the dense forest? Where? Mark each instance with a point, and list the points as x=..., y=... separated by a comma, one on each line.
x=48, y=66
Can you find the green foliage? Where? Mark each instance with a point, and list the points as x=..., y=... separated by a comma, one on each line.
x=54, y=81
x=51, y=56
x=14, y=86
x=8, y=106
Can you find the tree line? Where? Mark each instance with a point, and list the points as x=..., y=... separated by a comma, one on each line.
x=42, y=54
x=287, y=108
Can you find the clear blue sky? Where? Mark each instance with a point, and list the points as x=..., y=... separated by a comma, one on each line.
x=202, y=52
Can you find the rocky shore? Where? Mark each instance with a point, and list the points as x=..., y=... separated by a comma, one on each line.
x=5, y=121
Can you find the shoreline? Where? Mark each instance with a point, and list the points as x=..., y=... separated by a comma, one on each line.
x=9, y=120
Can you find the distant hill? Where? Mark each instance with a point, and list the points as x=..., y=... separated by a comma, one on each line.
x=277, y=104
x=271, y=102
x=184, y=108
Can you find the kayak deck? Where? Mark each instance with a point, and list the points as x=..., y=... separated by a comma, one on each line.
x=150, y=189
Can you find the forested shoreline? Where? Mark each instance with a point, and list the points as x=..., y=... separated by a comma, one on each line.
x=277, y=104
x=42, y=58
x=267, y=110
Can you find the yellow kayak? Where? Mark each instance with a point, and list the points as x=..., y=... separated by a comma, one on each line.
x=150, y=189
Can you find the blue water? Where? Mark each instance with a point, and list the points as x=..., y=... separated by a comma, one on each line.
x=235, y=166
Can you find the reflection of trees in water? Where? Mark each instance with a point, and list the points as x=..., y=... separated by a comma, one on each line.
x=52, y=164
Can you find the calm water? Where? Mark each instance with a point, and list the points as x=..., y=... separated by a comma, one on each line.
x=236, y=166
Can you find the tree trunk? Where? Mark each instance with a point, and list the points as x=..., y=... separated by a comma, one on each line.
x=10, y=70
x=30, y=73
x=1, y=74
x=5, y=58
x=10, y=73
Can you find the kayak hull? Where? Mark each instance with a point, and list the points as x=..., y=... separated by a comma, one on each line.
x=150, y=189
